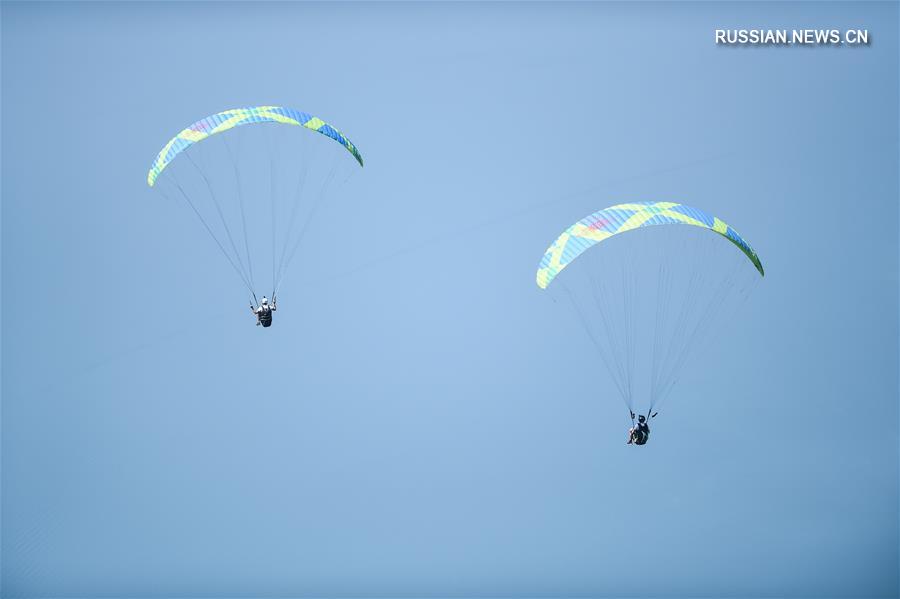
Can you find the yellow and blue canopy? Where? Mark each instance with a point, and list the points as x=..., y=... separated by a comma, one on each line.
x=605, y=223
x=229, y=119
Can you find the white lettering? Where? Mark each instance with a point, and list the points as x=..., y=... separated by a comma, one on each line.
x=857, y=36
x=785, y=37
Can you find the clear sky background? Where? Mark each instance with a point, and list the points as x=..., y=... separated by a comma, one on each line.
x=422, y=420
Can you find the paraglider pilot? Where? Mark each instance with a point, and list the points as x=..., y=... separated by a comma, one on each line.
x=264, y=312
x=638, y=435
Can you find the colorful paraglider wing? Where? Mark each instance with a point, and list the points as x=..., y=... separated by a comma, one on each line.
x=625, y=217
x=229, y=119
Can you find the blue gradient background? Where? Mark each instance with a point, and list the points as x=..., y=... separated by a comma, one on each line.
x=419, y=421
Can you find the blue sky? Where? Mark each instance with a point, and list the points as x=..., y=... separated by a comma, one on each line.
x=417, y=421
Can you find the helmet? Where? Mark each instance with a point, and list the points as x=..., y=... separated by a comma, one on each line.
x=265, y=302
x=641, y=419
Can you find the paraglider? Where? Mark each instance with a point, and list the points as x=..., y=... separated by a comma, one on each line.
x=639, y=434
x=646, y=299
x=227, y=185
x=263, y=312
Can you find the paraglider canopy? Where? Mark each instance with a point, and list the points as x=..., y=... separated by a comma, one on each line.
x=228, y=119
x=614, y=220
